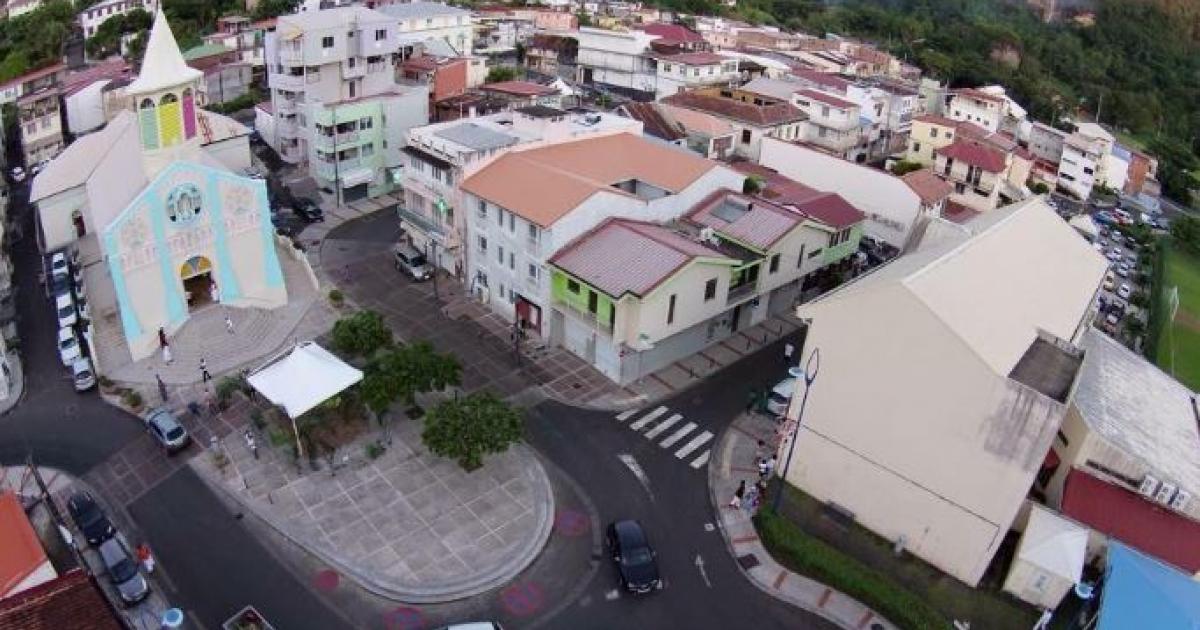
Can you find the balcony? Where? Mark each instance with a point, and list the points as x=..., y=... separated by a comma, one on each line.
x=291, y=153
x=325, y=141
x=421, y=222
x=587, y=317
x=355, y=71
x=293, y=53
x=327, y=170
x=285, y=105
x=288, y=128
x=290, y=82
x=740, y=292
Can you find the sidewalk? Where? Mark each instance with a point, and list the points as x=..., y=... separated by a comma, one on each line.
x=406, y=525
x=734, y=461
x=16, y=379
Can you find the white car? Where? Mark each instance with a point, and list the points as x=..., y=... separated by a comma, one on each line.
x=1109, y=284
x=781, y=397
x=68, y=347
x=1124, y=291
x=81, y=372
x=64, y=307
x=1114, y=254
x=1123, y=270
x=1112, y=319
x=58, y=264
x=18, y=174
x=81, y=306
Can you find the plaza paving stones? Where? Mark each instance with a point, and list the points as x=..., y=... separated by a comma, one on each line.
x=409, y=525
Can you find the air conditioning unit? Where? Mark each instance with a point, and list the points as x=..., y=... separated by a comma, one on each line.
x=1181, y=500
x=1165, y=493
x=709, y=235
x=1149, y=486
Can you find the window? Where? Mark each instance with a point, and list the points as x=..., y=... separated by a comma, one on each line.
x=533, y=271
x=774, y=264
x=667, y=68
x=327, y=41
x=367, y=149
x=800, y=258
x=512, y=222
x=710, y=289
x=482, y=244
x=500, y=217
x=353, y=89
x=825, y=111
x=512, y=260
x=814, y=253
x=916, y=147
x=482, y=209
x=1063, y=438
x=573, y=286
x=593, y=302
x=533, y=232
x=184, y=204
x=933, y=132
x=380, y=34
x=366, y=123
x=960, y=188
x=481, y=277
x=500, y=254
x=671, y=310
x=352, y=61
x=745, y=136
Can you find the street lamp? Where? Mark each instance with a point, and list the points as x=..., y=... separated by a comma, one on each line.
x=809, y=374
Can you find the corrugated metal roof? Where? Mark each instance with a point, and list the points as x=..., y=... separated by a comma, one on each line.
x=476, y=137
x=754, y=222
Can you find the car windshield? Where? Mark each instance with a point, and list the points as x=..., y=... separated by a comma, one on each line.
x=417, y=260
x=67, y=344
x=83, y=375
x=175, y=434
x=89, y=515
x=636, y=557
x=123, y=570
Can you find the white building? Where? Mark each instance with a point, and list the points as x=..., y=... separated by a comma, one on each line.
x=944, y=377
x=440, y=156
x=688, y=70
x=417, y=22
x=616, y=59
x=526, y=205
x=989, y=107
x=336, y=106
x=92, y=17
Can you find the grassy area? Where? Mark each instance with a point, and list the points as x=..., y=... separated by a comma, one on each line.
x=904, y=589
x=1130, y=141
x=1179, y=269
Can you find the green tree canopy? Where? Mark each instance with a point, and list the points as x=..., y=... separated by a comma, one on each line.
x=497, y=74
x=405, y=371
x=361, y=334
x=469, y=428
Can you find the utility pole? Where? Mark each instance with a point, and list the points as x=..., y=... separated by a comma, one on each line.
x=55, y=514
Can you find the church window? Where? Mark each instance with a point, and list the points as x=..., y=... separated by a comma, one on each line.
x=184, y=204
x=169, y=119
x=148, y=121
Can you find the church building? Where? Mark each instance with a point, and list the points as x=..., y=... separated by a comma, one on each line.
x=159, y=195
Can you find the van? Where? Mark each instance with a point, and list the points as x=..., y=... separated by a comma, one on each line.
x=411, y=263
x=781, y=396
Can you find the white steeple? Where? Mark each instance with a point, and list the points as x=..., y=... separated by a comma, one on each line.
x=162, y=65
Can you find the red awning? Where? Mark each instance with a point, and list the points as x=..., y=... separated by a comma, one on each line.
x=1135, y=521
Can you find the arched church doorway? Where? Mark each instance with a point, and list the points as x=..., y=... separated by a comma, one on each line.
x=198, y=287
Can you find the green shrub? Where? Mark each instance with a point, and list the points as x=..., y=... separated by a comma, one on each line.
x=256, y=417
x=278, y=437
x=374, y=450
x=812, y=557
x=227, y=387
x=336, y=297
x=131, y=398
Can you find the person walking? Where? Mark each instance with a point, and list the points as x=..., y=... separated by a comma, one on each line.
x=144, y=556
x=763, y=471
x=166, y=354
x=162, y=387
x=751, y=500
x=162, y=338
x=770, y=467
x=204, y=375
x=228, y=324
x=788, y=349
x=736, y=501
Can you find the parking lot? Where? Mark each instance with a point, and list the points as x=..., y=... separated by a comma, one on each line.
x=1121, y=284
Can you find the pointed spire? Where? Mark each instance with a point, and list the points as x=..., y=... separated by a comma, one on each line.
x=162, y=65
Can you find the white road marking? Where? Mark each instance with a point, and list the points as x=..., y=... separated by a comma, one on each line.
x=637, y=471
x=647, y=419
x=663, y=426
x=625, y=415
x=611, y=595
x=708, y=527
x=678, y=435
x=696, y=443
x=703, y=573
x=699, y=462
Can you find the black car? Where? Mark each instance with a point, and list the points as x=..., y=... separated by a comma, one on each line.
x=308, y=210
x=90, y=518
x=634, y=557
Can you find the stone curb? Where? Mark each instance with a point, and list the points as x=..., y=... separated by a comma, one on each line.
x=714, y=476
x=544, y=509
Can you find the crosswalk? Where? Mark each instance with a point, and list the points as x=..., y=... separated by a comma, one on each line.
x=656, y=423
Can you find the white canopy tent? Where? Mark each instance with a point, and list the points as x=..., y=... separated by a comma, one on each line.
x=303, y=377
x=1049, y=559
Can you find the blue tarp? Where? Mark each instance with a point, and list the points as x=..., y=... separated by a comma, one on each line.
x=1141, y=592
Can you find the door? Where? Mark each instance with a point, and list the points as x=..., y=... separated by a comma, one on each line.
x=354, y=193
x=733, y=320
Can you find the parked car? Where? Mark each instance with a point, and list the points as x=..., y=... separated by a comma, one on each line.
x=123, y=572
x=1113, y=319
x=58, y=264
x=1104, y=218
x=38, y=167
x=308, y=210
x=18, y=174
x=82, y=374
x=90, y=518
x=166, y=429
x=411, y=263
x=1109, y=284
x=1131, y=260
x=68, y=347
x=1124, y=291
x=1114, y=254
x=1123, y=270
x=64, y=307
x=634, y=557
x=781, y=396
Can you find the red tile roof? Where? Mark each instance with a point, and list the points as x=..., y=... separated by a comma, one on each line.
x=653, y=121
x=831, y=209
x=673, y=32
x=934, y=119
x=519, y=88
x=929, y=187
x=759, y=115
x=827, y=99
x=69, y=602
x=821, y=78
x=958, y=213
x=1126, y=516
x=36, y=74
x=977, y=94
x=975, y=154
x=693, y=58
x=761, y=225
x=21, y=552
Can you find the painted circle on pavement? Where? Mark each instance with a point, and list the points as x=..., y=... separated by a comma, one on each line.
x=404, y=618
x=522, y=600
x=571, y=523
x=326, y=580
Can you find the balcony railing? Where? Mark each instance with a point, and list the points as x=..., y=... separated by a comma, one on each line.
x=420, y=221
x=283, y=81
x=740, y=291
x=355, y=71
x=292, y=53
x=326, y=141
x=586, y=316
x=288, y=129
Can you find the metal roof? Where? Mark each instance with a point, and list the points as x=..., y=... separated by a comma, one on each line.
x=476, y=137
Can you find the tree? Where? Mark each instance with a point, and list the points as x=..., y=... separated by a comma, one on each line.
x=361, y=334
x=403, y=372
x=752, y=185
x=1039, y=188
x=469, y=428
x=1134, y=327
x=1185, y=231
x=500, y=73
x=904, y=167
x=274, y=8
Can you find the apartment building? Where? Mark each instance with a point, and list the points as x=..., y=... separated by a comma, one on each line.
x=988, y=107
x=417, y=22
x=702, y=133
x=226, y=76
x=526, y=205
x=983, y=174
x=440, y=156
x=244, y=37
x=39, y=115
x=616, y=60
x=336, y=105
x=753, y=116
x=92, y=17
x=682, y=71
x=1081, y=159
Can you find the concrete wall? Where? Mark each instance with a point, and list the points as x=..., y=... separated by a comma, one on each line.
x=926, y=137
x=54, y=217
x=85, y=109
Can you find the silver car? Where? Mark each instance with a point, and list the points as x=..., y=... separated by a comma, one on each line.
x=166, y=430
x=411, y=263
x=123, y=572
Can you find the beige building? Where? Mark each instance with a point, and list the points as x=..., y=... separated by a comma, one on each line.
x=943, y=379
